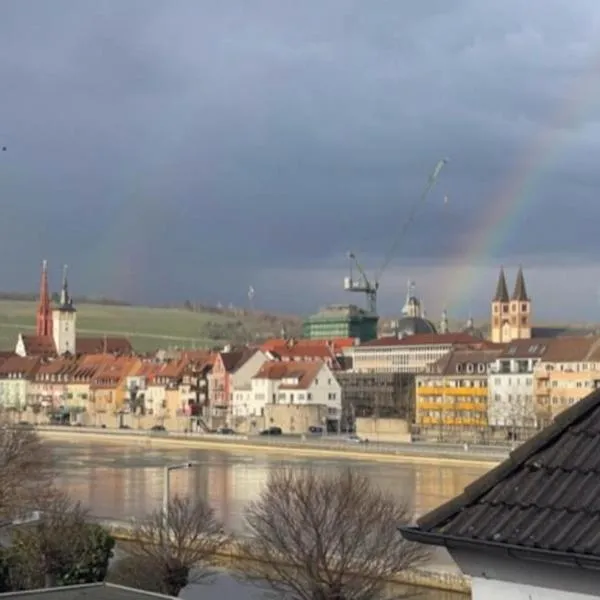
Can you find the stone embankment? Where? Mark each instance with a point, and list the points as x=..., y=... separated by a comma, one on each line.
x=328, y=447
x=445, y=578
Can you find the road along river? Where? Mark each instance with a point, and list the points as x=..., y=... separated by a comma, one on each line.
x=123, y=480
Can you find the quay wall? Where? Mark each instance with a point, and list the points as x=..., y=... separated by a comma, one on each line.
x=340, y=449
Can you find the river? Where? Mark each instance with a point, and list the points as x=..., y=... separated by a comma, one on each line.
x=121, y=481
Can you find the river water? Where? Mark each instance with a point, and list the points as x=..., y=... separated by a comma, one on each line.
x=125, y=480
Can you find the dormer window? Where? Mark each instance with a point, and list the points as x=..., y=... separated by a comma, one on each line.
x=459, y=368
x=470, y=368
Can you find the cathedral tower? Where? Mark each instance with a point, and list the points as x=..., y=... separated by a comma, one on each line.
x=64, y=320
x=520, y=310
x=500, y=324
x=511, y=315
x=44, y=311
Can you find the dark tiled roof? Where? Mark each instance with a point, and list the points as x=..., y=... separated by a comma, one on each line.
x=545, y=498
x=91, y=591
x=501, y=288
x=520, y=291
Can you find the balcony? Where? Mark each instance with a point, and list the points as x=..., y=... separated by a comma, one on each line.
x=450, y=391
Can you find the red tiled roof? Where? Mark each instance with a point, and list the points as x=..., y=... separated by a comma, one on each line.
x=110, y=345
x=335, y=344
x=113, y=370
x=24, y=366
x=37, y=345
x=304, y=372
x=44, y=345
x=425, y=339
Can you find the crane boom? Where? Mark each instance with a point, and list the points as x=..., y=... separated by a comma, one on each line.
x=411, y=216
x=365, y=285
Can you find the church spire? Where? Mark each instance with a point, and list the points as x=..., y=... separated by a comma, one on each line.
x=64, y=292
x=44, y=311
x=520, y=292
x=501, y=288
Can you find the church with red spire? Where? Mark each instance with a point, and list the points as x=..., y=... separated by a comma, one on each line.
x=56, y=328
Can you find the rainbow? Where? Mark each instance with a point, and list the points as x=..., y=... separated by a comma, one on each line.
x=518, y=196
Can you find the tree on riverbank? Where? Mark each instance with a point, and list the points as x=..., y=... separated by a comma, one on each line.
x=62, y=547
x=167, y=552
x=26, y=471
x=316, y=536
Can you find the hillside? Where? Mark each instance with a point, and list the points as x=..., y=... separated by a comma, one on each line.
x=151, y=328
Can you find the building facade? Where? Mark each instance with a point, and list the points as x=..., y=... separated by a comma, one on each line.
x=341, y=321
x=452, y=397
x=511, y=403
x=408, y=354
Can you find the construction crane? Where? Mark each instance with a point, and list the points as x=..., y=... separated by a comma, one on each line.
x=363, y=284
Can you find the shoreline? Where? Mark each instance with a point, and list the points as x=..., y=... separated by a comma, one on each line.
x=423, y=577
x=274, y=448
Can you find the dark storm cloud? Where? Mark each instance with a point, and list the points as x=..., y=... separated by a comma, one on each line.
x=225, y=138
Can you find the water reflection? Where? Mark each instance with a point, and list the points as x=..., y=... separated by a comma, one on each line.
x=121, y=481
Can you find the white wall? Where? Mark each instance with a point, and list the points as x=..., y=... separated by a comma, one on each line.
x=511, y=400
x=63, y=331
x=242, y=378
x=323, y=390
x=489, y=589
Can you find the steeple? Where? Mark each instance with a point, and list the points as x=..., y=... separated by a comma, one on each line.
x=66, y=303
x=44, y=311
x=501, y=288
x=520, y=292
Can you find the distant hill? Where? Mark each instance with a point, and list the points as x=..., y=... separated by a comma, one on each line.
x=149, y=328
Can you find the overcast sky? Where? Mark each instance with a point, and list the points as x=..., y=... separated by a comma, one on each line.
x=189, y=149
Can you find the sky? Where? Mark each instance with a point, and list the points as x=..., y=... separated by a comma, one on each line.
x=188, y=150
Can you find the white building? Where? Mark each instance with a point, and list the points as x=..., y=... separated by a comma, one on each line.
x=529, y=529
x=511, y=401
x=408, y=353
x=241, y=383
x=297, y=382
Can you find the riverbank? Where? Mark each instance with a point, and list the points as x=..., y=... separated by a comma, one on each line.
x=439, y=456
x=433, y=577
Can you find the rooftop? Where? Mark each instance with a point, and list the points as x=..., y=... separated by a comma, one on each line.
x=542, y=502
x=91, y=591
x=424, y=339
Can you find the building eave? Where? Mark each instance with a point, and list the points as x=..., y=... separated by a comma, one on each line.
x=552, y=557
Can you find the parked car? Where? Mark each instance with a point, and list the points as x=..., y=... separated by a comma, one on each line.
x=315, y=429
x=272, y=431
x=225, y=431
x=159, y=428
x=354, y=439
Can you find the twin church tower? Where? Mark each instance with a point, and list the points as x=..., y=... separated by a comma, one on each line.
x=511, y=315
x=58, y=323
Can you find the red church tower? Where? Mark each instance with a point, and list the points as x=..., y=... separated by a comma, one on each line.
x=44, y=311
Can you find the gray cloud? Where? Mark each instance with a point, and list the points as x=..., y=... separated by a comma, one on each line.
x=181, y=150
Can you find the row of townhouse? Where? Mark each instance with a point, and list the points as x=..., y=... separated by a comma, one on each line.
x=103, y=383
x=523, y=385
x=233, y=384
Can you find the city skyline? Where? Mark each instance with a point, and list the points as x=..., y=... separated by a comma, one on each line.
x=192, y=151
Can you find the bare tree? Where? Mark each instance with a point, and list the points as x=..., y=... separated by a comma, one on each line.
x=169, y=551
x=315, y=536
x=26, y=471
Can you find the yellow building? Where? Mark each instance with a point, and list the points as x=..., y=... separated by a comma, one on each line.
x=453, y=394
x=568, y=372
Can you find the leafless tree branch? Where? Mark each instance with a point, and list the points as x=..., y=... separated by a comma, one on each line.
x=166, y=554
x=26, y=471
x=327, y=537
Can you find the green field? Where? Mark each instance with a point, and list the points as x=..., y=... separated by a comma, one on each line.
x=151, y=328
